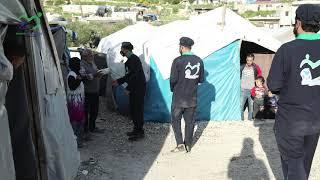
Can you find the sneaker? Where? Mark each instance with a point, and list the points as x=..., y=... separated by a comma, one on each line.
x=188, y=148
x=179, y=148
x=137, y=136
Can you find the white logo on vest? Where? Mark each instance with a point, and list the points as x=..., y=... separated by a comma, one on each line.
x=188, y=71
x=306, y=73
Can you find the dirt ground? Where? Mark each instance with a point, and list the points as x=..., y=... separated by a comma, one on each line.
x=222, y=150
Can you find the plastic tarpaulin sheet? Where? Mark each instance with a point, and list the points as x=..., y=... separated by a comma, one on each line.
x=137, y=34
x=163, y=47
x=62, y=155
x=218, y=96
x=10, y=11
x=234, y=23
x=7, y=171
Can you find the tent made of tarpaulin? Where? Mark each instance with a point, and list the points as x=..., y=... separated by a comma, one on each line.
x=220, y=52
x=284, y=34
x=219, y=47
x=137, y=34
x=53, y=140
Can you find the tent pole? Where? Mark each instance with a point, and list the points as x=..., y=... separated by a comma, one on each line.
x=223, y=17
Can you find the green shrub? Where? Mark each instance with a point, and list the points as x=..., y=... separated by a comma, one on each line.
x=249, y=14
x=83, y=29
x=175, y=10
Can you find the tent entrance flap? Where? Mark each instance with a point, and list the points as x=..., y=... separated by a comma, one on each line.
x=19, y=107
x=263, y=56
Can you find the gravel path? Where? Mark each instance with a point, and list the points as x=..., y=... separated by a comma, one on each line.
x=223, y=150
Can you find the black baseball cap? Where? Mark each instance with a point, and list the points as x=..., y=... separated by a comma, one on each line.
x=308, y=14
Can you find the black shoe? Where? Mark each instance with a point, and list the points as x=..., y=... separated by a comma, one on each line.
x=131, y=133
x=179, y=148
x=135, y=132
x=136, y=137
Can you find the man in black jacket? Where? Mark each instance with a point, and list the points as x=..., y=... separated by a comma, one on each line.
x=136, y=89
x=295, y=75
x=187, y=72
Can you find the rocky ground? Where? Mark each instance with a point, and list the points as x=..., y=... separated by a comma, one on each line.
x=223, y=150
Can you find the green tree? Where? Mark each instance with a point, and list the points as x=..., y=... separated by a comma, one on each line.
x=84, y=30
x=250, y=14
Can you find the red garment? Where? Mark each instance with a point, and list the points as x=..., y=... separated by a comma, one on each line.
x=259, y=71
x=259, y=91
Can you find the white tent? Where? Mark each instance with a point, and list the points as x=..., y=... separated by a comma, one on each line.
x=208, y=34
x=218, y=47
x=284, y=34
x=166, y=39
x=137, y=34
x=236, y=24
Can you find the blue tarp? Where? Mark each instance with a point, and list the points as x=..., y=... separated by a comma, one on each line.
x=218, y=96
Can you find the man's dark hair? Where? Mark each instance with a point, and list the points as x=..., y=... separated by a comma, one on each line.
x=14, y=44
x=127, y=46
x=310, y=27
x=250, y=55
x=261, y=79
x=74, y=64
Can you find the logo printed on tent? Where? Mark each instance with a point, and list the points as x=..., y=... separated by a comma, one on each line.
x=30, y=24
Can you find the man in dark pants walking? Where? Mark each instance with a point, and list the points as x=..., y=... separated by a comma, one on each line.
x=295, y=75
x=136, y=89
x=187, y=72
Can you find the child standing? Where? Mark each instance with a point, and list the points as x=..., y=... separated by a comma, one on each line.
x=258, y=93
x=75, y=98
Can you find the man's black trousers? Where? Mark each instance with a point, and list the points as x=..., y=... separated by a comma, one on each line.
x=188, y=115
x=136, y=100
x=91, y=110
x=296, y=155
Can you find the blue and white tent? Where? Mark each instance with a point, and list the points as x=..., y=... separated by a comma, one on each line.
x=218, y=46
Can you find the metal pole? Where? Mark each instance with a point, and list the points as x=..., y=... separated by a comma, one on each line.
x=223, y=17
